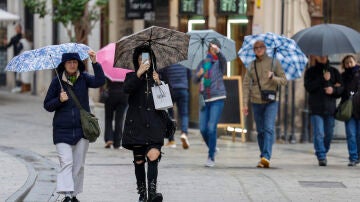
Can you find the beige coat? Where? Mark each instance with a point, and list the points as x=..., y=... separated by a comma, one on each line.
x=250, y=83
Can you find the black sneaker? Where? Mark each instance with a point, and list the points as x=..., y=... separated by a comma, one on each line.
x=67, y=199
x=74, y=199
x=323, y=162
x=352, y=163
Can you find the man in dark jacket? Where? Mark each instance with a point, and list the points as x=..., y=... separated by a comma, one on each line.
x=324, y=85
x=179, y=78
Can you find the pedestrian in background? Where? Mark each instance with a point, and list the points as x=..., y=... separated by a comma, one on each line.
x=179, y=78
x=351, y=81
x=267, y=73
x=14, y=42
x=115, y=106
x=323, y=83
x=71, y=146
x=26, y=77
x=144, y=129
x=209, y=74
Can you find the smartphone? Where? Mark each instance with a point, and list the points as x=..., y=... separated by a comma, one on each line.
x=144, y=57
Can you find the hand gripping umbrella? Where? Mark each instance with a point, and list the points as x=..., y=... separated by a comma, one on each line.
x=199, y=44
x=48, y=57
x=169, y=46
x=292, y=59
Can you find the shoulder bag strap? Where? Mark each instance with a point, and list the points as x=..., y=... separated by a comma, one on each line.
x=72, y=94
x=257, y=76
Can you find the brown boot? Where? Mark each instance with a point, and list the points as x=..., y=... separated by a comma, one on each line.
x=25, y=87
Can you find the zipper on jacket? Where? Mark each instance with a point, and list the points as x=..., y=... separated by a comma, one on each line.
x=73, y=119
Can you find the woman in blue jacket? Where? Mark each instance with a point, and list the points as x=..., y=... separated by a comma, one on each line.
x=71, y=146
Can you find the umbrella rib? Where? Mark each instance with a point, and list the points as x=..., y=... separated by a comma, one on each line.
x=169, y=47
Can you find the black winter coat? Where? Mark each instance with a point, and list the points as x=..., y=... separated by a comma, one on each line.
x=351, y=80
x=143, y=124
x=321, y=103
x=66, y=121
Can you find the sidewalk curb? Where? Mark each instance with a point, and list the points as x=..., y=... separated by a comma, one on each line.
x=21, y=193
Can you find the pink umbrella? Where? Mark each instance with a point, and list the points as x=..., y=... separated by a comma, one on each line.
x=105, y=57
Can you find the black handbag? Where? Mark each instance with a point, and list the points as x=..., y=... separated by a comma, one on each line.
x=266, y=95
x=170, y=124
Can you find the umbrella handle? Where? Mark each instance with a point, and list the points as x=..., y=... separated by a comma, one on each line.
x=57, y=74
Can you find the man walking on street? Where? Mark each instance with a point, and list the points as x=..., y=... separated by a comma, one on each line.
x=179, y=78
x=324, y=85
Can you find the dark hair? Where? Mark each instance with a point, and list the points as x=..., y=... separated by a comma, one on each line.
x=345, y=58
x=144, y=49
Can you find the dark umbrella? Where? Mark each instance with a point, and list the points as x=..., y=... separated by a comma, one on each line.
x=169, y=46
x=327, y=39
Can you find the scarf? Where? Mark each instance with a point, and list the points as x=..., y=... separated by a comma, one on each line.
x=207, y=65
x=71, y=78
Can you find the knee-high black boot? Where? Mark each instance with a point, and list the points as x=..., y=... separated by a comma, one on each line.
x=141, y=181
x=152, y=179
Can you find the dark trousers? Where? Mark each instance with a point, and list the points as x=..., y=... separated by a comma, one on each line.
x=115, y=107
x=181, y=98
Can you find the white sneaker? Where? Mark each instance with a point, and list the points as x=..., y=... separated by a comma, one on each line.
x=185, y=141
x=16, y=90
x=171, y=144
x=210, y=163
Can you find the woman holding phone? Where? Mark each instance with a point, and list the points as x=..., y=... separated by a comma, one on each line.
x=144, y=128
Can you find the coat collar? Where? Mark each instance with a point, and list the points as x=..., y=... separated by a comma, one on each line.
x=63, y=77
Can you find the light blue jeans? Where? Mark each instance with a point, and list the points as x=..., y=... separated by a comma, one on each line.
x=323, y=131
x=208, y=120
x=352, y=127
x=265, y=116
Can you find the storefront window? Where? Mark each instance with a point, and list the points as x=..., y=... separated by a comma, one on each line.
x=193, y=7
x=231, y=7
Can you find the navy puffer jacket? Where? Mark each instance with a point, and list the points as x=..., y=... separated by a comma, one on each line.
x=66, y=122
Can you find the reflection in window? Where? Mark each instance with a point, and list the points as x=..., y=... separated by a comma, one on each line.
x=242, y=7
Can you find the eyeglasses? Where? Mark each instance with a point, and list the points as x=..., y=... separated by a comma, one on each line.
x=259, y=47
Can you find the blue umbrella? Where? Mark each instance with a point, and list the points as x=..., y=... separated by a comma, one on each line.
x=292, y=59
x=199, y=43
x=48, y=57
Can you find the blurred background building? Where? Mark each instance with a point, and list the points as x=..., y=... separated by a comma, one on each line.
x=232, y=18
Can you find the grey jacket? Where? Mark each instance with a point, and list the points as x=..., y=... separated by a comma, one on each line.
x=217, y=88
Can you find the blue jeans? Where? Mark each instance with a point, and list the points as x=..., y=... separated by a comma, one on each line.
x=265, y=116
x=181, y=98
x=208, y=120
x=323, y=131
x=352, y=127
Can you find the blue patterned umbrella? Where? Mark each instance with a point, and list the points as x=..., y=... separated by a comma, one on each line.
x=199, y=44
x=48, y=57
x=292, y=59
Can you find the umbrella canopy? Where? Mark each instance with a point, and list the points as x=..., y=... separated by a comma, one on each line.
x=48, y=57
x=105, y=56
x=327, y=39
x=169, y=46
x=199, y=43
x=7, y=16
x=292, y=59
